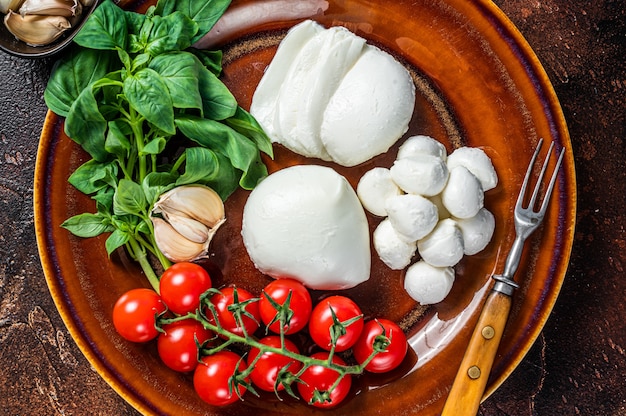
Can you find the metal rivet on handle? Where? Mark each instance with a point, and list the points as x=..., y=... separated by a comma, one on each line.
x=488, y=332
x=473, y=372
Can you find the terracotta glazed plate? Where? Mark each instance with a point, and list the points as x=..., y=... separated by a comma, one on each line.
x=479, y=84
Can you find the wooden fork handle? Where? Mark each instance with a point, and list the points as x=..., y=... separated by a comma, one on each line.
x=471, y=379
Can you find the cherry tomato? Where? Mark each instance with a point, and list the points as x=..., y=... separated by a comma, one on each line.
x=300, y=305
x=321, y=322
x=135, y=313
x=181, y=286
x=267, y=368
x=395, y=350
x=178, y=344
x=213, y=378
x=320, y=378
x=224, y=302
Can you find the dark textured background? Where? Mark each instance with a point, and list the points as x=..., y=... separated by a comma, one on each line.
x=576, y=367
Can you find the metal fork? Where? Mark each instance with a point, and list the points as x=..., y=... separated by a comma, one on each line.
x=471, y=379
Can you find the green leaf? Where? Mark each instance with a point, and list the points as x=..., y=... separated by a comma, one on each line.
x=244, y=123
x=204, y=13
x=242, y=152
x=129, y=198
x=105, y=29
x=71, y=75
x=104, y=200
x=179, y=71
x=170, y=33
x=116, y=240
x=86, y=125
x=156, y=183
x=211, y=60
x=218, y=103
x=154, y=147
x=214, y=170
x=87, y=225
x=92, y=176
x=147, y=93
x=116, y=141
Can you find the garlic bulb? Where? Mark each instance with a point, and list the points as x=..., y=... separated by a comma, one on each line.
x=188, y=217
x=66, y=8
x=36, y=30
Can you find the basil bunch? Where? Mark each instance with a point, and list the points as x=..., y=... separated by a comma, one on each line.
x=152, y=113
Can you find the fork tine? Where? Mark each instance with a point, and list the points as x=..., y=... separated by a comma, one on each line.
x=555, y=173
x=533, y=199
x=529, y=170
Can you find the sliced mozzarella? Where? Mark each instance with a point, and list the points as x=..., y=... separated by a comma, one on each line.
x=443, y=247
x=307, y=223
x=422, y=174
x=476, y=161
x=421, y=145
x=394, y=251
x=374, y=188
x=428, y=284
x=412, y=216
x=463, y=196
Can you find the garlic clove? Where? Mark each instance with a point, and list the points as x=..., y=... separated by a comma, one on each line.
x=188, y=227
x=66, y=8
x=6, y=5
x=36, y=30
x=173, y=245
x=198, y=202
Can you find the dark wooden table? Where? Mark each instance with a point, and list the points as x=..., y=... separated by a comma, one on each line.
x=576, y=367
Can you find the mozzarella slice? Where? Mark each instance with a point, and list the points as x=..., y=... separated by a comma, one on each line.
x=306, y=222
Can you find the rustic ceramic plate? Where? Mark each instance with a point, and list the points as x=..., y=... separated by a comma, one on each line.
x=479, y=84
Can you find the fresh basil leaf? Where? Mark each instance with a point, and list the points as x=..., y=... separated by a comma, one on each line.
x=147, y=93
x=116, y=141
x=92, y=176
x=170, y=33
x=116, y=240
x=86, y=125
x=129, y=198
x=211, y=60
x=154, y=147
x=71, y=75
x=140, y=61
x=105, y=29
x=179, y=71
x=242, y=152
x=218, y=103
x=204, y=13
x=87, y=225
x=156, y=183
x=206, y=167
x=244, y=123
x=104, y=200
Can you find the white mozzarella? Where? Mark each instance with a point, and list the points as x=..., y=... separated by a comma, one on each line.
x=422, y=174
x=443, y=247
x=374, y=188
x=412, y=216
x=307, y=223
x=421, y=145
x=476, y=161
x=477, y=231
x=394, y=251
x=428, y=284
x=463, y=196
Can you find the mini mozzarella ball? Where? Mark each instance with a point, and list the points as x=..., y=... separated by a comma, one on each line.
x=463, y=196
x=412, y=216
x=441, y=209
x=477, y=231
x=374, y=188
x=476, y=161
x=395, y=252
x=421, y=145
x=428, y=284
x=443, y=247
x=422, y=174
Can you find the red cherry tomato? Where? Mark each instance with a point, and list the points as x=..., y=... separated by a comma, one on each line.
x=224, y=302
x=322, y=322
x=299, y=309
x=267, y=368
x=395, y=346
x=181, y=286
x=320, y=378
x=135, y=314
x=213, y=378
x=178, y=344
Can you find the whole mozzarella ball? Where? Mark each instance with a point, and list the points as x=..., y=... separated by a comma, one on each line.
x=412, y=216
x=374, y=188
x=476, y=161
x=421, y=174
x=395, y=252
x=428, y=284
x=463, y=196
x=477, y=231
x=306, y=222
x=443, y=247
x=421, y=145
